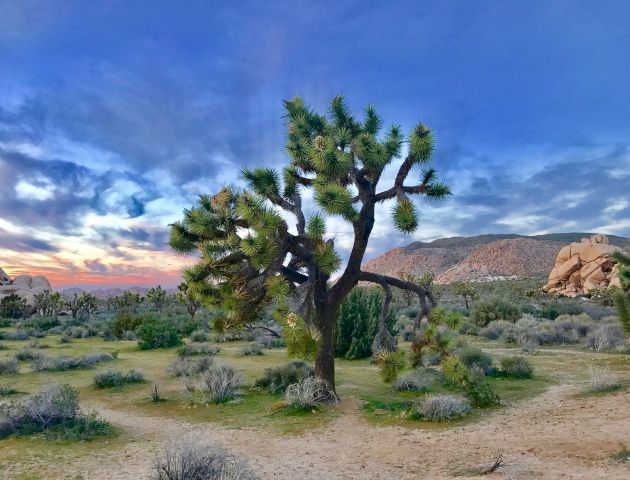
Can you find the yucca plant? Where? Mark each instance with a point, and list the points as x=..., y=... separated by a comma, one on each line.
x=248, y=257
x=622, y=298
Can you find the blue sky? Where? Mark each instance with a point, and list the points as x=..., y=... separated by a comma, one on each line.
x=115, y=115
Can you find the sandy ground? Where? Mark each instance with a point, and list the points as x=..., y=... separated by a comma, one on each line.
x=553, y=436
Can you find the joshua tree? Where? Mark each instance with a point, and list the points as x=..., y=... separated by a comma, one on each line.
x=157, y=297
x=466, y=291
x=49, y=303
x=249, y=256
x=82, y=304
x=127, y=301
x=187, y=297
x=13, y=306
x=622, y=298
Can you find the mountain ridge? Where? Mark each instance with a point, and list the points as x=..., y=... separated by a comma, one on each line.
x=481, y=257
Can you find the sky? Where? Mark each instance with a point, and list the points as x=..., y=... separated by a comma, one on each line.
x=116, y=115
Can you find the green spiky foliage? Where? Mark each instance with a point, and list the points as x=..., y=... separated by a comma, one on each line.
x=157, y=297
x=357, y=323
x=435, y=338
x=187, y=297
x=242, y=242
x=622, y=298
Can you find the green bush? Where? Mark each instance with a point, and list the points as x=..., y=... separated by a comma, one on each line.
x=486, y=311
x=126, y=321
x=157, y=333
x=114, y=378
x=195, y=348
x=56, y=412
x=517, y=367
x=357, y=323
x=554, y=309
x=8, y=366
x=253, y=348
x=474, y=357
x=41, y=324
x=278, y=378
x=481, y=393
x=199, y=336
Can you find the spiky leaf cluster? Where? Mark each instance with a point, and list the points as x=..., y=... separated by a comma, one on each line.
x=238, y=238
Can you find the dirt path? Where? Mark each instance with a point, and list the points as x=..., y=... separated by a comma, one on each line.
x=553, y=436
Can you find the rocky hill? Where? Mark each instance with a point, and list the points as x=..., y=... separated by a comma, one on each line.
x=482, y=257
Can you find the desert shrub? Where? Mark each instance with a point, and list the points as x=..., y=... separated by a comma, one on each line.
x=357, y=323
x=579, y=325
x=129, y=335
x=495, y=330
x=309, y=393
x=126, y=321
x=187, y=326
x=607, y=337
x=65, y=338
x=196, y=458
x=79, y=332
x=114, y=378
x=192, y=349
x=6, y=390
x=8, y=366
x=481, y=393
x=436, y=408
x=468, y=327
x=552, y=310
x=602, y=380
x=278, y=378
x=3, y=346
x=28, y=354
x=41, y=324
x=221, y=382
x=490, y=310
x=390, y=364
x=55, y=410
x=269, y=341
x=474, y=357
x=517, y=367
x=184, y=367
x=17, y=335
x=199, y=336
x=419, y=380
x=157, y=333
x=37, y=344
x=61, y=364
x=251, y=349
x=604, y=296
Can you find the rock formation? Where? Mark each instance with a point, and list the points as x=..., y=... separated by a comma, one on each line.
x=583, y=266
x=26, y=286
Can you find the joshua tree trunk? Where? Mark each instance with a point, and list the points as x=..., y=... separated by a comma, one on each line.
x=325, y=360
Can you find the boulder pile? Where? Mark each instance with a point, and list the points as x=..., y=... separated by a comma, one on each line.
x=583, y=266
x=25, y=286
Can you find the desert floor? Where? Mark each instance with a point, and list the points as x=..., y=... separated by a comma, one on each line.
x=555, y=432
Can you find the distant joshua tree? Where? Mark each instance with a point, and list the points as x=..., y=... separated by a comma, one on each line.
x=14, y=306
x=466, y=291
x=82, y=305
x=186, y=296
x=127, y=301
x=248, y=255
x=157, y=297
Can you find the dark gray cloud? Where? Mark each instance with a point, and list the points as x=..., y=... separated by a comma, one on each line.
x=21, y=243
